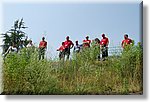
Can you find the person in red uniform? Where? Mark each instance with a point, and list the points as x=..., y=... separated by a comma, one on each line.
x=68, y=45
x=126, y=41
x=104, y=46
x=42, y=48
x=87, y=42
x=61, y=51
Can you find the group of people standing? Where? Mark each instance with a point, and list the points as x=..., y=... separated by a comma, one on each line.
x=102, y=44
x=41, y=48
x=68, y=44
x=15, y=49
x=64, y=49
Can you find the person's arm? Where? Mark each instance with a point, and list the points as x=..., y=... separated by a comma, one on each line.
x=74, y=49
x=101, y=44
x=122, y=44
x=79, y=48
x=46, y=45
x=107, y=42
x=7, y=51
x=40, y=45
x=131, y=41
x=72, y=45
x=59, y=49
x=83, y=41
x=89, y=43
x=28, y=45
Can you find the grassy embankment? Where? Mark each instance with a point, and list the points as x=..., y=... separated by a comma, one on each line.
x=25, y=74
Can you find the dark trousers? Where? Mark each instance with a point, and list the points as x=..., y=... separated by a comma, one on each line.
x=67, y=52
x=41, y=53
x=104, y=51
x=61, y=55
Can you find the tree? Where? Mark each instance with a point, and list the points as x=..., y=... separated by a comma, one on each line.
x=14, y=35
x=6, y=40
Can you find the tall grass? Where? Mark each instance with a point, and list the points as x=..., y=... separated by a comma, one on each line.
x=83, y=74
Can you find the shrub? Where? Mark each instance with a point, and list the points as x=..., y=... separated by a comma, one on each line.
x=83, y=74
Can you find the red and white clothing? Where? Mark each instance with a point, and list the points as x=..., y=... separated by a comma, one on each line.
x=43, y=44
x=62, y=48
x=104, y=41
x=86, y=43
x=68, y=43
x=126, y=42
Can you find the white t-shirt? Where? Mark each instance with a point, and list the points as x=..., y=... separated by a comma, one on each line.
x=29, y=45
x=77, y=48
x=12, y=49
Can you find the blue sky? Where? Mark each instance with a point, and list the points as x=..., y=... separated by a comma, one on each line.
x=55, y=21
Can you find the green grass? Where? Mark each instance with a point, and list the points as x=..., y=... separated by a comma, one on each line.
x=25, y=74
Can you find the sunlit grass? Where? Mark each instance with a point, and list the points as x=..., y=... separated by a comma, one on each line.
x=83, y=74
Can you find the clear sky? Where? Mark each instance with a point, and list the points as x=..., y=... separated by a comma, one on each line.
x=57, y=20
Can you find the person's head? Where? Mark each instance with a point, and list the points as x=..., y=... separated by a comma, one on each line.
x=67, y=38
x=87, y=37
x=76, y=42
x=30, y=41
x=43, y=38
x=97, y=40
x=63, y=43
x=103, y=35
x=126, y=36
